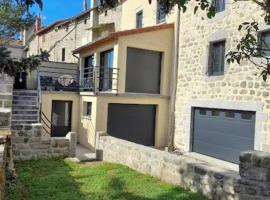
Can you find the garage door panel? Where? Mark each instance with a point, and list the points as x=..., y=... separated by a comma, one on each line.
x=135, y=123
x=245, y=130
x=221, y=132
x=223, y=139
x=242, y=127
x=217, y=152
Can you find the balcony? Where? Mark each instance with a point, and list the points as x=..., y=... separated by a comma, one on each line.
x=99, y=79
x=58, y=77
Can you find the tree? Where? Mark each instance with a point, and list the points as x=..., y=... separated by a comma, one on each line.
x=14, y=17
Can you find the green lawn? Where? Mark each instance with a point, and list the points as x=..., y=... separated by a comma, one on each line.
x=63, y=180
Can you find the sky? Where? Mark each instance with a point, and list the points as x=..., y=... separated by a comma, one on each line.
x=54, y=10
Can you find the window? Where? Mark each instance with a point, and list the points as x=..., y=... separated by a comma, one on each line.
x=203, y=111
x=87, y=108
x=230, y=114
x=216, y=58
x=220, y=5
x=139, y=19
x=215, y=113
x=161, y=15
x=43, y=38
x=106, y=70
x=264, y=39
x=63, y=54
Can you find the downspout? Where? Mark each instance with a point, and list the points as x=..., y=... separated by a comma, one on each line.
x=174, y=82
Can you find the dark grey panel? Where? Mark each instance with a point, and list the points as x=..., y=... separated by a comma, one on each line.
x=223, y=134
x=143, y=71
x=135, y=123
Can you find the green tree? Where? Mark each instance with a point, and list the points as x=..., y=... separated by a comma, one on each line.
x=14, y=18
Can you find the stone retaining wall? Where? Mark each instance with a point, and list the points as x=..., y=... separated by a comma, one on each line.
x=28, y=143
x=209, y=180
x=6, y=85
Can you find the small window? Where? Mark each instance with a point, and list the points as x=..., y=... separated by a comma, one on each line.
x=246, y=116
x=139, y=19
x=264, y=39
x=230, y=114
x=215, y=113
x=161, y=15
x=43, y=38
x=216, y=58
x=85, y=21
x=63, y=54
x=202, y=111
x=87, y=109
x=220, y=5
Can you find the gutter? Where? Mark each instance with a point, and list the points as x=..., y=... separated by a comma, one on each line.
x=174, y=83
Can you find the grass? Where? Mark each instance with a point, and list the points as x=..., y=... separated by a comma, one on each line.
x=63, y=180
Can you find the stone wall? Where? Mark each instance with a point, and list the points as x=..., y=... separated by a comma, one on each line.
x=6, y=86
x=4, y=163
x=212, y=181
x=239, y=84
x=28, y=143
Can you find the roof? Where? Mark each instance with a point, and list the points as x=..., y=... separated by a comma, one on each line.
x=48, y=28
x=62, y=22
x=11, y=42
x=115, y=35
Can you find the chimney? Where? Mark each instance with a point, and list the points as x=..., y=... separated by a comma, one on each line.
x=84, y=5
x=38, y=23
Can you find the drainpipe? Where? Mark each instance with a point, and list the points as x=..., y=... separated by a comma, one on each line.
x=174, y=82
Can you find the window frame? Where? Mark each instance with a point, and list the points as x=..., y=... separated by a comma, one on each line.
x=223, y=8
x=86, y=111
x=159, y=10
x=63, y=55
x=260, y=44
x=138, y=23
x=211, y=71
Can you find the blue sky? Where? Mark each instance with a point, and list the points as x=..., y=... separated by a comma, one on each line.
x=54, y=10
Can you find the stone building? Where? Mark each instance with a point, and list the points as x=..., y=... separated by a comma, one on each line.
x=221, y=109
x=60, y=38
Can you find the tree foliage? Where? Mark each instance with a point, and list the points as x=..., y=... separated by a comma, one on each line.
x=14, y=17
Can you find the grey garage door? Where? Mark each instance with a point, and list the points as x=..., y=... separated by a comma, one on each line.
x=223, y=134
x=135, y=123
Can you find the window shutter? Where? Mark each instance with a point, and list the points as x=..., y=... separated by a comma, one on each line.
x=210, y=59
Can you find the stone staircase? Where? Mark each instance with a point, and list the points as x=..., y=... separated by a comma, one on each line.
x=25, y=108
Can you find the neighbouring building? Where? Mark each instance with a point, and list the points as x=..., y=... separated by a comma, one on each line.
x=221, y=109
x=59, y=38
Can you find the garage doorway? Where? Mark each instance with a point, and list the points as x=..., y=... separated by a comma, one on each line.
x=134, y=123
x=223, y=134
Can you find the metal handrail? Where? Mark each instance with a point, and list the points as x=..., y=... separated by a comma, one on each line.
x=39, y=94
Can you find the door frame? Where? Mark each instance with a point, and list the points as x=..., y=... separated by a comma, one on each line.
x=102, y=70
x=70, y=114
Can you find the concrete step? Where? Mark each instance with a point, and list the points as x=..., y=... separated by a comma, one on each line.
x=20, y=122
x=25, y=112
x=24, y=102
x=25, y=117
x=24, y=98
x=25, y=93
x=25, y=107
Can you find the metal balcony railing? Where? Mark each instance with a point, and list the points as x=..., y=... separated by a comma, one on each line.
x=99, y=79
x=58, y=79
